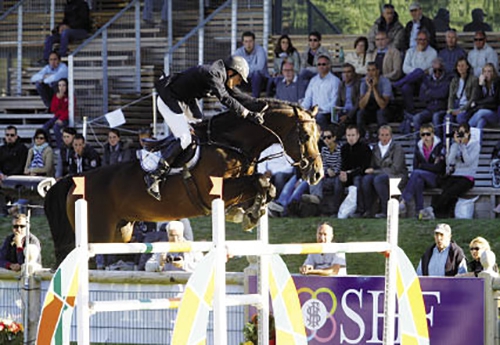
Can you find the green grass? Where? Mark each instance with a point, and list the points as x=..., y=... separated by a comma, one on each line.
x=414, y=237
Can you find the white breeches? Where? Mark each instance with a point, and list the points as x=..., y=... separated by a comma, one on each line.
x=178, y=123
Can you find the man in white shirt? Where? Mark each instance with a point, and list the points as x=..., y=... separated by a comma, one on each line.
x=322, y=91
x=481, y=54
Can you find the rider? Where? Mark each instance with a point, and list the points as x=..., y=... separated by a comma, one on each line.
x=178, y=105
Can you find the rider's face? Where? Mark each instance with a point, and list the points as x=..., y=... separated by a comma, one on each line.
x=233, y=80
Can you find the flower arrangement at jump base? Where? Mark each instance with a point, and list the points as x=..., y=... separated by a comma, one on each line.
x=251, y=332
x=11, y=332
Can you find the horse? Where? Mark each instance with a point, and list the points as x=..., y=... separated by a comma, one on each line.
x=230, y=147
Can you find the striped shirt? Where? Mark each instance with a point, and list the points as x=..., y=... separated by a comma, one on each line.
x=331, y=160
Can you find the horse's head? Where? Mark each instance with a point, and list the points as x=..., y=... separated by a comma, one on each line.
x=300, y=136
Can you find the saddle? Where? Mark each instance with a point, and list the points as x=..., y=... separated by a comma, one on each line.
x=161, y=145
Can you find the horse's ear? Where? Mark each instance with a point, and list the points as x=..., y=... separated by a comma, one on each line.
x=314, y=111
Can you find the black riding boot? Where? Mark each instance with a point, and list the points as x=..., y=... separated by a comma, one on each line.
x=154, y=178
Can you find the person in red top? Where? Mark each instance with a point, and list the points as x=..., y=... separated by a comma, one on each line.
x=59, y=107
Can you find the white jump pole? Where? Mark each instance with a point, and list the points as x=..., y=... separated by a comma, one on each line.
x=263, y=281
x=219, y=303
x=83, y=313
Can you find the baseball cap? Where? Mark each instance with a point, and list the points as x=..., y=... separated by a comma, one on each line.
x=442, y=229
x=415, y=6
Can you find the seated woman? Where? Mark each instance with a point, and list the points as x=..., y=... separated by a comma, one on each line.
x=59, y=107
x=485, y=107
x=40, y=161
x=115, y=150
x=283, y=51
x=477, y=247
x=461, y=165
x=359, y=58
x=428, y=166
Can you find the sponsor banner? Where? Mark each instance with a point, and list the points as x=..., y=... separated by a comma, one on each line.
x=350, y=310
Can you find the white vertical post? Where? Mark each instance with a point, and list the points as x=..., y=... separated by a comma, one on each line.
x=83, y=314
x=234, y=25
x=390, y=274
x=263, y=281
x=155, y=114
x=71, y=91
x=219, y=306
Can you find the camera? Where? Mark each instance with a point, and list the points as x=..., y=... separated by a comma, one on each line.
x=370, y=81
x=460, y=134
x=172, y=258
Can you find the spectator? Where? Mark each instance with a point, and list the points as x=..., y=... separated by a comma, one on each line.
x=482, y=53
x=355, y=159
x=59, y=107
x=330, y=155
x=13, y=247
x=322, y=91
x=387, y=58
x=290, y=87
x=75, y=26
x=419, y=23
x=359, y=57
x=417, y=63
x=451, y=53
x=13, y=154
x=434, y=94
x=444, y=258
x=329, y=264
x=284, y=51
x=485, y=107
x=66, y=152
x=376, y=94
x=389, y=23
x=387, y=161
x=84, y=157
x=276, y=167
x=40, y=161
x=442, y=20
x=309, y=59
x=47, y=78
x=477, y=23
x=115, y=150
x=488, y=261
x=463, y=91
x=348, y=99
x=256, y=58
x=477, y=247
x=289, y=196
x=461, y=165
x=174, y=261
x=144, y=133
x=147, y=12
x=428, y=167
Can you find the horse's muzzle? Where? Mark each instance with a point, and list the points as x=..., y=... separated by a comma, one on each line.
x=314, y=173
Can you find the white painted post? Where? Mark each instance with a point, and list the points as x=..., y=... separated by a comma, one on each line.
x=219, y=304
x=83, y=313
x=263, y=281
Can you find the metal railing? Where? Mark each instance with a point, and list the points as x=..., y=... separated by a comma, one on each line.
x=108, y=61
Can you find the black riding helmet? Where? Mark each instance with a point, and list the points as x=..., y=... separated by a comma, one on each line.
x=239, y=65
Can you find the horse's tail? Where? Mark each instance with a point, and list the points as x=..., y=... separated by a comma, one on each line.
x=60, y=226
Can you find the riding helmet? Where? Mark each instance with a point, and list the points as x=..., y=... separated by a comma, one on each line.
x=239, y=65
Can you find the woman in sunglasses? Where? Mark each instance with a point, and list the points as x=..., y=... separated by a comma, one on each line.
x=40, y=161
x=485, y=107
x=477, y=247
x=428, y=166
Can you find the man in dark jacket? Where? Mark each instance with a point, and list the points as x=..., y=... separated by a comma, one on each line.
x=418, y=23
x=84, y=157
x=13, y=154
x=178, y=105
x=12, y=250
x=477, y=23
x=355, y=158
x=75, y=26
x=445, y=258
x=434, y=93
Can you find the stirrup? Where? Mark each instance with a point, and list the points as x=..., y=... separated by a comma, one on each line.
x=152, y=186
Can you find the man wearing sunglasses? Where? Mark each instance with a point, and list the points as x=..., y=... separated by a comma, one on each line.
x=12, y=251
x=434, y=94
x=482, y=53
x=309, y=59
x=13, y=154
x=444, y=258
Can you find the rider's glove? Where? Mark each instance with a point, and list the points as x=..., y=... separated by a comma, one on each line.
x=257, y=118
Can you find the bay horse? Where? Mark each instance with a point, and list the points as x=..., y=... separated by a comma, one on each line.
x=230, y=147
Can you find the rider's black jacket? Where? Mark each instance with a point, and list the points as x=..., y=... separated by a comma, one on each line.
x=196, y=83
